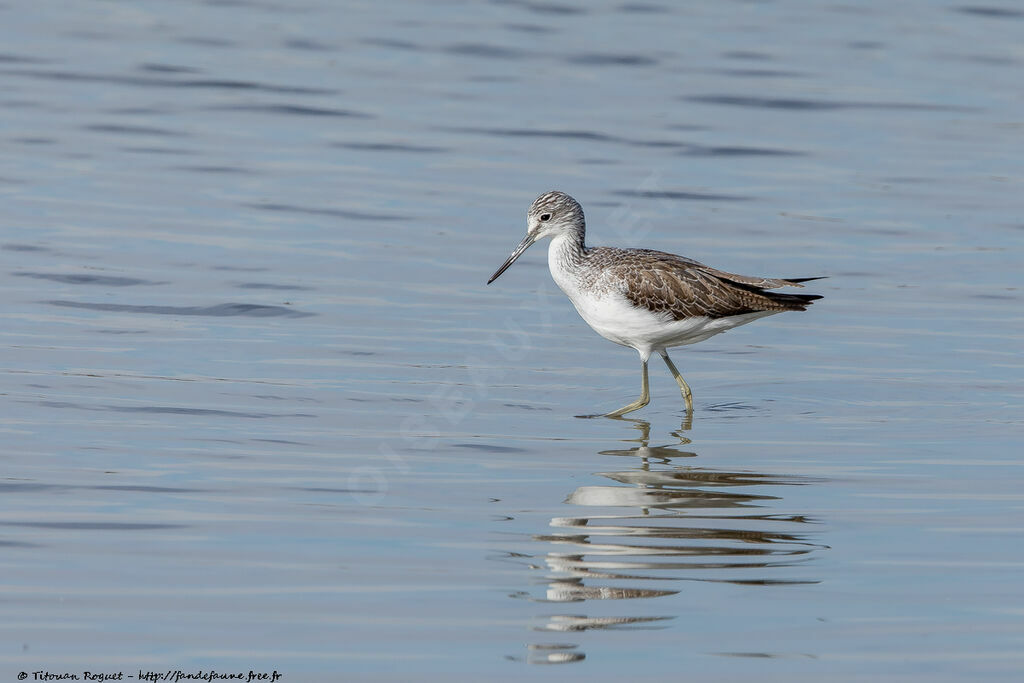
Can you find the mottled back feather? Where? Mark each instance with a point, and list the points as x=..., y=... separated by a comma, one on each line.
x=683, y=288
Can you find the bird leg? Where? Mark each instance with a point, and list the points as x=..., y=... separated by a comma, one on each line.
x=645, y=397
x=683, y=386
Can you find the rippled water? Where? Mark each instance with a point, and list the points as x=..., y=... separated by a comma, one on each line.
x=261, y=412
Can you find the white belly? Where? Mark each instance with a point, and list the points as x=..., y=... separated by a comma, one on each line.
x=616, y=319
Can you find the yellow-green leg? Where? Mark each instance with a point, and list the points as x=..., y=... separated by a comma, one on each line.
x=683, y=386
x=645, y=397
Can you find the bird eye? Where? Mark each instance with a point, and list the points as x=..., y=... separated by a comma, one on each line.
x=545, y=216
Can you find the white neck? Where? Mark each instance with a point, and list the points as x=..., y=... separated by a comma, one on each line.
x=565, y=253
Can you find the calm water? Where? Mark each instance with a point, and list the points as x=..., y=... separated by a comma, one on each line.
x=261, y=412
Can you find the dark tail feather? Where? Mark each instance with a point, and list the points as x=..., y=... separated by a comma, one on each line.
x=780, y=301
x=799, y=302
x=793, y=302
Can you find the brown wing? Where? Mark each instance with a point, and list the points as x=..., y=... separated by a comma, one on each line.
x=684, y=288
x=759, y=282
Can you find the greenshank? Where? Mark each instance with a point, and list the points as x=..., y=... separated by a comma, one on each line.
x=648, y=300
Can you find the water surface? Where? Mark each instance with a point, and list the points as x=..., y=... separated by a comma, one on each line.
x=260, y=410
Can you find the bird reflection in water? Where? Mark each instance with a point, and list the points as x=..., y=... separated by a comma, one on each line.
x=670, y=522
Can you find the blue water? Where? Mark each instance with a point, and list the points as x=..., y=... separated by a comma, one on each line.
x=260, y=411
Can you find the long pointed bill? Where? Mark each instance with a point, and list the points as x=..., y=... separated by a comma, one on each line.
x=523, y=246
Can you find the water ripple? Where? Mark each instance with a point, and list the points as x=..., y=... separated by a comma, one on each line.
x=685, y=148
x=169, y=69
x=337, y=213
x=292, y=110
x=684, y=195
x=992, y=12
x=604, y=59
x=220, y=310
x=540, y=133
x=484, y=50
x=270, y=285
x=22, y=247
x=8, y=58
x=216, y=84
x=96, y=526
x=170, y=410
x=132, y=130
x=797, y=104
x=88, y=279
x=546, y=7
x=390, y=147
x=643, y=8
